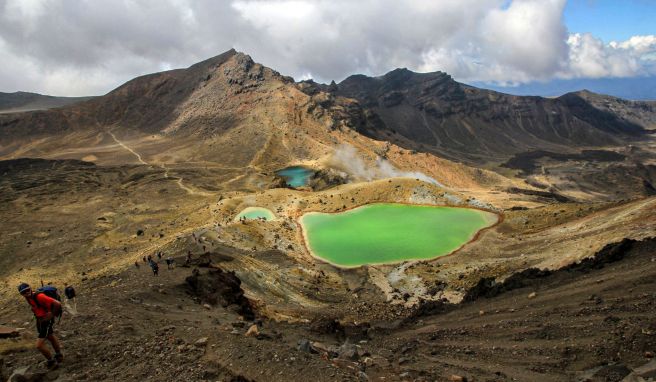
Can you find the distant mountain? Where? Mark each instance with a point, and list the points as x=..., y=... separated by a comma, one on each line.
x=643, y=88
x=433, y=113
x=23, y=101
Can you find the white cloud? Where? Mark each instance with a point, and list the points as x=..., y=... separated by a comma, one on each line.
x=589, y=57
x=60, y=47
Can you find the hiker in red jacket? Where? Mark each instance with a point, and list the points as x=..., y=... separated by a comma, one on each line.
x=45, y=309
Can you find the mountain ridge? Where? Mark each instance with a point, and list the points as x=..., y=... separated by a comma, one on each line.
x=230, y=110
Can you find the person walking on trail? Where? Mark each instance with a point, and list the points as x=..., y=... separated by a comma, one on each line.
x=169, y=262
x=45, y=309
x=154, y=266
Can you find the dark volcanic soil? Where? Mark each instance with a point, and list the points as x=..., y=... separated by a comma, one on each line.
x=135, y=326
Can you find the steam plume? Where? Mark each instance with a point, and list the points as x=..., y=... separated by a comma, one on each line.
x=346, y=159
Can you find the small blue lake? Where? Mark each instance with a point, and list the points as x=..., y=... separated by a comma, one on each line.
x=296, y=176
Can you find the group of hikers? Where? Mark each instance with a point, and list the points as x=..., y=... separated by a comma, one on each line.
x=244, y=219
x=46, y=306
x=154, y=265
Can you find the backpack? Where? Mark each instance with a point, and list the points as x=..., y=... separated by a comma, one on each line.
x=51, y=292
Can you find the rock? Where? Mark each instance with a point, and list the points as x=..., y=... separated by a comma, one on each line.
x=253, y=331
x=218, y=287
x=532, y=295
x=7, y=332
x=457, y=378
x=647, y=370
x=319, y=347
x=481, y=312
x=348, y=351
x=649, y=354
x=207, y=306
x=305, y=347
x=201, y=342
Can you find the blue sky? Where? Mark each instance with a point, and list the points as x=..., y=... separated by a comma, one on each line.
x=611, y=19
x=605, y=20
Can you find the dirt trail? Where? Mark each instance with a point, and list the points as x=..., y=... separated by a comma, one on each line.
x=178, y=179
x=128, y=148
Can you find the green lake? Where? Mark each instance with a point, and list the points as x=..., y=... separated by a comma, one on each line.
x=388, y=233
x=254, y=213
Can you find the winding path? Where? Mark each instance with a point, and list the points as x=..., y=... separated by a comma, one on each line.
x=163, y=167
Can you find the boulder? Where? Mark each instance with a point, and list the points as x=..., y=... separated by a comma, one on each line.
x=220, y=287
x=320, y=347
x=201, y=342
x=305, y=346
x=348, y=351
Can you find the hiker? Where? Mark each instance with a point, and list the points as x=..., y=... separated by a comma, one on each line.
x=70, y=294
x=136, y=264
x=169, y=262
x=159, y=255
x=144, y=259
x=188, y=259
x=45, y=309
x=154, y=266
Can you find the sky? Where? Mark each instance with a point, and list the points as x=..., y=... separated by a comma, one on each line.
x=86, y=47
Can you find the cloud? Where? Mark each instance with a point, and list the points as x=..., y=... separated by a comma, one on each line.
x=80, y=48
x=589, y=57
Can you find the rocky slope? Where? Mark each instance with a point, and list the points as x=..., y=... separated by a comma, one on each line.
x=165, y=162
x=434, y=113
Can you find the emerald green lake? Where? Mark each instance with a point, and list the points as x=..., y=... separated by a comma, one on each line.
x=253, y=213
x=388, y=233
